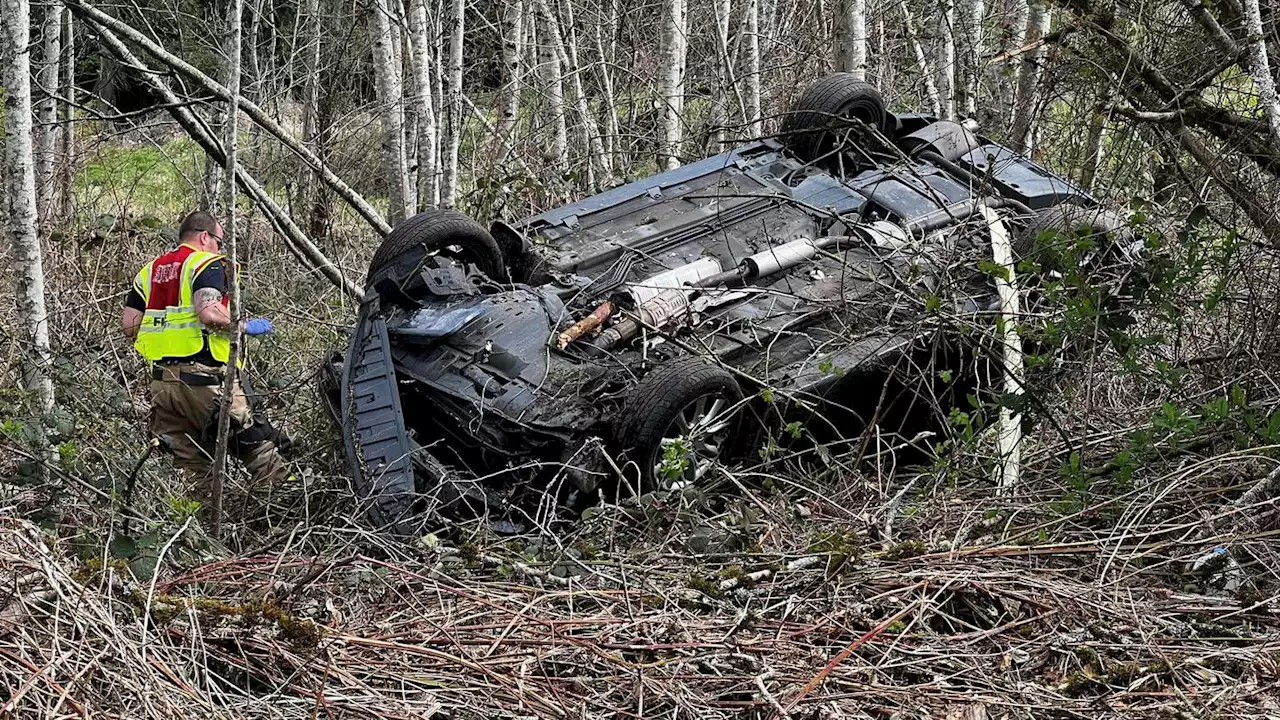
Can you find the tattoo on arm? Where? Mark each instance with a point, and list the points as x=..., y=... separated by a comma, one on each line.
x=206, y=296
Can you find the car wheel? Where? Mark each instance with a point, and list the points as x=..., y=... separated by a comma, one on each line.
x=435, y=232
x=678, y=421
x=1105, y=229
x=811, y=127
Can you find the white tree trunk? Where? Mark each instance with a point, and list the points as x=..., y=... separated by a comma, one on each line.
x=672, y=80
x=1039, y=16
x=391, y=106
x=20, y=201
x=591, y=129
x=754, y=120
x=457, y=34
x=47, y=108
x=947, y=58
x=553, y=77
x=1260, y=69
x=513, y=13
x=974, y=53
x=607, y=54
x=311, y=96
x=425, y=111
x=68, y=144
x=922, y=62
x=851, y=38
x=718, y=118
x=1092, y=155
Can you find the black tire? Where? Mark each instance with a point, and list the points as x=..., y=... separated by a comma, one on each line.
x=827, y=105
x=652, y=410
x=435, y=231
x=1105, y=229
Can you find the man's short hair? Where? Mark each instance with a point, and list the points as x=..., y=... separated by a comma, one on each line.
x=197, y=222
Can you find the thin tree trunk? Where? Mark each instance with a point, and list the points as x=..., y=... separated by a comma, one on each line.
x=1091, y=158
x=605, y=71
x=718, y=118
x=67, y=194
x=851, y=38
x=947, y=58
x=513, y=12
x=672, y=80
x=310, y=190
x=1039, y=16
x=391, y=104
x=591, y=129
x=230, y=144
x=457, y=34
x=974, y=52
x=357, y=202
x=1260, y=69
x=428, y=189
x=755, y=122
x=47, y=108
x=1002, y=77
x=409, y=93
x=553, y=76
x=20, y=203
x=922, y=62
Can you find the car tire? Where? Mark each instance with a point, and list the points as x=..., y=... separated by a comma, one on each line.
x=1069, y=220
x=431, y=232
x=828, y=104
x=655, y=407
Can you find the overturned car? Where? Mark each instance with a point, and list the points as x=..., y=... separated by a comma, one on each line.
x=641, y=335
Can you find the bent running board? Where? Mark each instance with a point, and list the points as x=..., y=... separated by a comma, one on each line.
x=378, y=449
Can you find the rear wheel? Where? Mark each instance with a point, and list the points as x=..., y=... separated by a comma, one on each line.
x=817, y=120
x=678, y=422
x=435, y=232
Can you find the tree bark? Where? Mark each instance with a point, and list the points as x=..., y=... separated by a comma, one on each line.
x=1091, y=157
x=1260, y=69
x=230, y=146
x=672, y=80
x=591, y=129
x=66, y=195
x=47, y=108
x=553, y=77
x=357, y=202
x=391, y=110
x=718, y=117
x=428, y=188
x=922, y=61
x=851, y=38
x=513, y=13
x=946, y=58
x=457, y=34
x=607, y=53
x=309, y=190
x=974, y=52
x=1030, y=71
x=20, y=203
x=755, y=122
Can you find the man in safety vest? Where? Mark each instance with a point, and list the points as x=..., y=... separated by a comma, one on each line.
x=177, y=312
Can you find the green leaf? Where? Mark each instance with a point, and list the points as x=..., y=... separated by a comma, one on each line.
x=122, y=546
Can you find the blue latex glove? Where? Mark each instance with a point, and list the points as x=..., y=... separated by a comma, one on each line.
x=257, y=326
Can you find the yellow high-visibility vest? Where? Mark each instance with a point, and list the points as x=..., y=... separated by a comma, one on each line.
x=176, y=331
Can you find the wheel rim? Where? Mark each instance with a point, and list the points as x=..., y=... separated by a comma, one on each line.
x=696, y=438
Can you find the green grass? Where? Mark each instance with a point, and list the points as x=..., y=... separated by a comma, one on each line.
x=158, y=180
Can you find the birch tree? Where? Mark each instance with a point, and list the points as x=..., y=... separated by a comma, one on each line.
x=606, y=40
x=672, y=80
x=66, y=195
x=391, y=110
x=47, y=108
x=512, y=19
x=922, y=61
x=457, y=34
x=428, y=191
x=851, y=38
x=20, y=203
x=974, y=51
x=1260, y=69
x=755, y=125
x=310, y=194
x=946, y=64
x=553, y=78
x=718, y=117
x=1030, y=70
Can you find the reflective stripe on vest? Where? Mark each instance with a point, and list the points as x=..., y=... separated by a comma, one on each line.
x=175, y=331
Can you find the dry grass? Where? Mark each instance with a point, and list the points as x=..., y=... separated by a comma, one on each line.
x=765, y=606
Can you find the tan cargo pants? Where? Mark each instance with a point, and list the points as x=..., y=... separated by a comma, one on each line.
x=185, y=413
